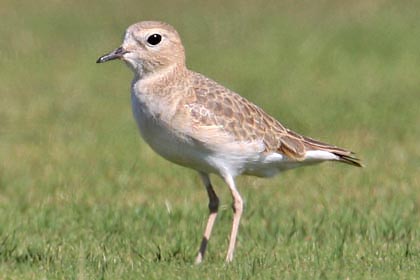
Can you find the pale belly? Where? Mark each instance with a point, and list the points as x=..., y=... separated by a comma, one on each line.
x=185, y=151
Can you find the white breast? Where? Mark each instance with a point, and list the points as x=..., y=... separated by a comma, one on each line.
x=165, y=141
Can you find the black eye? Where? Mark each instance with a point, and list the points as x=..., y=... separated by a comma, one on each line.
x=154, y=39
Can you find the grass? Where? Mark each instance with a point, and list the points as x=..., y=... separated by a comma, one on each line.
x=82, y=197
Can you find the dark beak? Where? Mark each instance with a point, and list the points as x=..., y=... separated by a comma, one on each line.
x=118, y=53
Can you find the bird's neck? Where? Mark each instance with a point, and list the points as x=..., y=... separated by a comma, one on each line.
x=160, y=81
x=161, y=91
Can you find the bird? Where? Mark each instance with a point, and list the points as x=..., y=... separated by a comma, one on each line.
x=195, y=122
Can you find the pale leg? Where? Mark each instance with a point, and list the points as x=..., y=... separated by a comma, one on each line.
x=213, y=207
x=237, y=206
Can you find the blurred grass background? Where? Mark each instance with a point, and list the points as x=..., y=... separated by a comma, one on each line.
x=82, y=196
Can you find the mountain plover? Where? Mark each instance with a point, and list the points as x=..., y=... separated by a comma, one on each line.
x=193, y=121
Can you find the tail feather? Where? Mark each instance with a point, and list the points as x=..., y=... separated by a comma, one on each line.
x=344, y=155
x=349, y=159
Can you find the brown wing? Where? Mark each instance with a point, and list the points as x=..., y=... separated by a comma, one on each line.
x=213, y=105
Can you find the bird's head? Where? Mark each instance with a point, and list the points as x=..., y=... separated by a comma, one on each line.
x=148, y=47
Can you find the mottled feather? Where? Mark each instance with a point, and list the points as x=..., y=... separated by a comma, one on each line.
x=212, y=105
